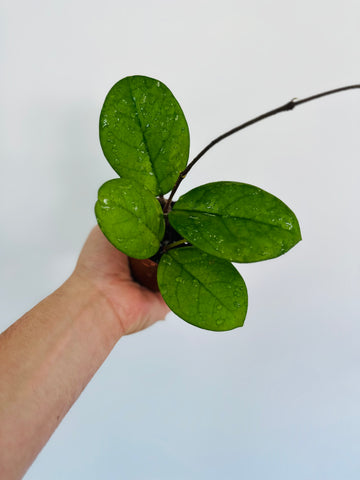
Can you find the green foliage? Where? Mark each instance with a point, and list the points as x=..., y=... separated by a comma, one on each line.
x=130, y=217
x=145, y=138
x=235, y=221
x=144, y=134
x=216, y=290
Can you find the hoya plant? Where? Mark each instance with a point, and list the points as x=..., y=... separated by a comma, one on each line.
x=194, y=240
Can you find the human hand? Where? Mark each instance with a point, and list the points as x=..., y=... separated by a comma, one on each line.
x=105, y=268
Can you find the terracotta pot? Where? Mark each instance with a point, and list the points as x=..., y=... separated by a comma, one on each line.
x=144, y=272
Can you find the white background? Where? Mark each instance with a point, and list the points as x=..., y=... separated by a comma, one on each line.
x=278, y=398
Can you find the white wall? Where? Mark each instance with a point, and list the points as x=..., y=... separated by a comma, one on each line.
x=279, y=398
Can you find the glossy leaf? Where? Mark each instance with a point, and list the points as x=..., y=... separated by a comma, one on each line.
x=130, y=217
x=235, y=221
x=143, y=133
x=203, y=290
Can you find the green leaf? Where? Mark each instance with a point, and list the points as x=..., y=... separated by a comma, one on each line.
x=236, y=221
x=144, y=134
x=202, y=289
x=130, y=217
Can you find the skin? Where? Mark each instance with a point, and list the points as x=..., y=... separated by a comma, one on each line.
x=49, y=355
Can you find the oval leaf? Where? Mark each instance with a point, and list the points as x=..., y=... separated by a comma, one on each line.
x=143, y=133
x=236, y=221
x=202, y=289
x=130, y=217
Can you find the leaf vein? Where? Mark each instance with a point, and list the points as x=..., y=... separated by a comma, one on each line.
x=143, y=132
x=202, y=284
x=207, y=214
x=120, y=207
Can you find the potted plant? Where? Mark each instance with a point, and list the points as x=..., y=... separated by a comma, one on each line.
x=189, y=244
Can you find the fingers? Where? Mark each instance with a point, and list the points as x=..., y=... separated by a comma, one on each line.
x=160, y=309
x=99, y=257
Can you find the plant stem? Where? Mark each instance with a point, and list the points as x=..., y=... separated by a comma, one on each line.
x=284, y=108
x=175, y=244
x=162, y=200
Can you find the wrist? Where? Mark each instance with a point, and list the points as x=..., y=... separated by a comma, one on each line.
x=89, y=308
